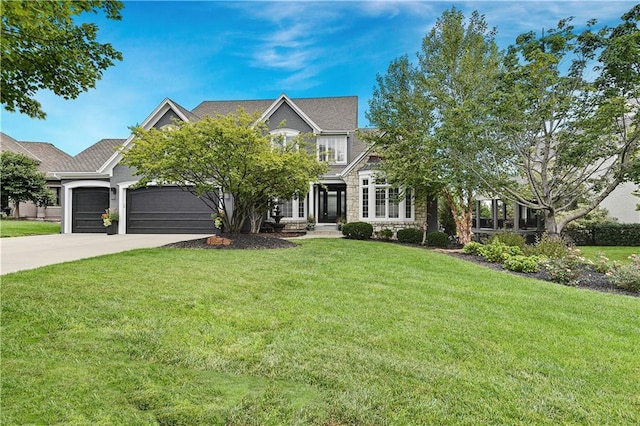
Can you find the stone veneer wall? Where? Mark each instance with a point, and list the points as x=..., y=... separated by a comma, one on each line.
x=353, y=205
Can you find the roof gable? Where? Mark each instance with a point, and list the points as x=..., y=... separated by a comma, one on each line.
x=328, y=113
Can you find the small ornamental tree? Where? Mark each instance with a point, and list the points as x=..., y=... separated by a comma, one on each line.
x=230, y=162
x=21, y=181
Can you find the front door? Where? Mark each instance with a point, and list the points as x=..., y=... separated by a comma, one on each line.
x=332, y=203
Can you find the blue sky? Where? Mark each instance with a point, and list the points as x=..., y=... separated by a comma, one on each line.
x=195, y=51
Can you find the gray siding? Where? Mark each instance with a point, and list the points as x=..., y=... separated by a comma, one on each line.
x=292, y=119
x=168, y=118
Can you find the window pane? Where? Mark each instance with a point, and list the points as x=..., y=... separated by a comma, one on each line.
x=365, y=200
x=301, y=207
x=381, y=202
x=286, y=209
x=394, y=208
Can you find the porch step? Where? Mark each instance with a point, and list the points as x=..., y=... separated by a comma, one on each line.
x=326, y=227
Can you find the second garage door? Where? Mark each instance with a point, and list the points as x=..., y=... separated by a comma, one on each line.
x=167, y=210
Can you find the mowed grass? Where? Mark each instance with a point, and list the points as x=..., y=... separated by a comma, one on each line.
x=621, y=254
x=335, y=332
x=22, y=228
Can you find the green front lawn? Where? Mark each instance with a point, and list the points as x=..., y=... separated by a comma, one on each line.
x=334, y=332
x=620, y=254
x=22, y=228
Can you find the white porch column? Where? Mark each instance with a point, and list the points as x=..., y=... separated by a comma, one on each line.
x=311, y=210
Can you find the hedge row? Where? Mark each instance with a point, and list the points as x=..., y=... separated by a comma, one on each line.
x=605, y=234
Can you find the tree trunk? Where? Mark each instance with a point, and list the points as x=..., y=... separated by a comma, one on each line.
x=256, y=220
x=462, y=215
x=16, y=210
x=550, y=225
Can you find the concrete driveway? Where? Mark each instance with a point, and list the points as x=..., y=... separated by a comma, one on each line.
x=20, y=253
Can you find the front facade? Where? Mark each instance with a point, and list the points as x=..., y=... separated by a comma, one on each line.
x=49, y=158
x=352, y=189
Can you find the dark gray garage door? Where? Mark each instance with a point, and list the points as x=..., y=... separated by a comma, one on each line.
x=167, y=210
x=87, y=206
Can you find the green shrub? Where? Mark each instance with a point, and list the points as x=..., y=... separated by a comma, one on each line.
x=409, y=235
x=437, y=239
x=509, y=238
x=528, y=264
x=357, y=230
x=603, y=264
x=384, y=234
x=473, y=248
x=498, y=252
x=567, y=269
x=549, y=246
x=627, y=276
x=605, y=234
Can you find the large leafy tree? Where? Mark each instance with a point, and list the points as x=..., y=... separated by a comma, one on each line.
x=568, y=119
x=21, y=181
x=42, y=48
x=433, y=116
x=231, y=162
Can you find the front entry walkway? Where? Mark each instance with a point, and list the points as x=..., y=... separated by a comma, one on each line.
x=21, y=253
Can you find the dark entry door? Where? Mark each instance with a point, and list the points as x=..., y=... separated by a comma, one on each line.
x=332, y=203
x=87, y=206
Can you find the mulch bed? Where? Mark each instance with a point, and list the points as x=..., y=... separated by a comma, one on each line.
x=243, y=242
x=589, y=278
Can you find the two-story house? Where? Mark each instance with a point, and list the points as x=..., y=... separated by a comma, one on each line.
x=352, y=189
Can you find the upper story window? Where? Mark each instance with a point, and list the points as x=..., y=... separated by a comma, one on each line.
x=332, y=149
x=284, y=137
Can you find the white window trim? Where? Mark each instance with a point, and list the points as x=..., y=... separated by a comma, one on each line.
x=286, y=132
x=295, y=207
x=372, y=186
x=343, y=139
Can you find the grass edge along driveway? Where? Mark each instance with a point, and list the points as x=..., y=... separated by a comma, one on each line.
x=332, y=332
x=23, y=228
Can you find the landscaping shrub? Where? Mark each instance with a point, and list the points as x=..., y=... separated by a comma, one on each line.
x=498, y=252
x=549, y=246
x=473, y=248
x=528, y=264
x=357, y=230
x=509, y=238
x=566, y=269
x=616, y=234
x=605, y=234
x=384, y=234
x=437, y=239
x=409, y=235
x=603, y=264
x=626, y=276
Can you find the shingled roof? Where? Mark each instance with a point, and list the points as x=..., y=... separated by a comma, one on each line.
x=92, y=158
x=331, y=113
x=48, y=156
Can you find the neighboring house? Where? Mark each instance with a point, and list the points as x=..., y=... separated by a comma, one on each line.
x=494, y=215
x=49, y=158
x=350, y=190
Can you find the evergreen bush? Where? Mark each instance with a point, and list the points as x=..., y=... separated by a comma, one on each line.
x=357, y=230
x=438, y=239
x=409, y=235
